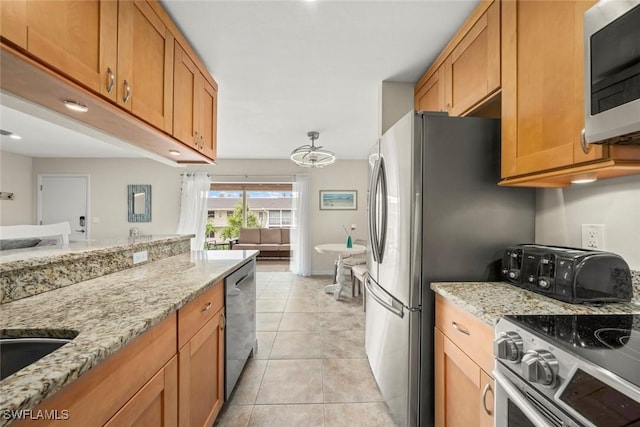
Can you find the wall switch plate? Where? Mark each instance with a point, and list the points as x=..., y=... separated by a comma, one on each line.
x=593, y=236
x=139, y=257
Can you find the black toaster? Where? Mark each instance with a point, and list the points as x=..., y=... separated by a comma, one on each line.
x=569, y=274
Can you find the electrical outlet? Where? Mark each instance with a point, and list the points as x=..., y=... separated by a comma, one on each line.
x=139, y=257
x=593, y=236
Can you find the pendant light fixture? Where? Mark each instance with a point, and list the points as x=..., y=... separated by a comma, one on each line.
x=310, y=156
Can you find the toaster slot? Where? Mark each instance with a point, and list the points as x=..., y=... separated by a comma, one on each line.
x=512, y=264
x=546, y=272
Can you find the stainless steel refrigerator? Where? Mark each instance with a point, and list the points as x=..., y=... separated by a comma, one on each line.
x=436, y=213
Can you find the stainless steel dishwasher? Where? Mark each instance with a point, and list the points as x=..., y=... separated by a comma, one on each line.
x=240, y=329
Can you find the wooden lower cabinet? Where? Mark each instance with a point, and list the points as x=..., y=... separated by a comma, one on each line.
x=463, y=391
x=143, y=370
x=201, y=383
x=156, y=404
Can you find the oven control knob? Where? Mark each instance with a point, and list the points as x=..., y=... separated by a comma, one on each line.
x=540, y=366
x=508, y=346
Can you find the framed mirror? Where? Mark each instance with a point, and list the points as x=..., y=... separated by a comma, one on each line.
x=139, y=197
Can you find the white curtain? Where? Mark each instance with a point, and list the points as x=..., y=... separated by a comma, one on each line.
x=300, y=239
x=193, y=207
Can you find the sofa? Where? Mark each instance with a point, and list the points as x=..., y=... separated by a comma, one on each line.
x=271, y=242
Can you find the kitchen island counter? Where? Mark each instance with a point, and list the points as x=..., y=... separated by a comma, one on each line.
x=108, y=313
x=489, y=301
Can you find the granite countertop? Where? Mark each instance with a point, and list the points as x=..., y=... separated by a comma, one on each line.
x=38, y=255
x=489, y=301
x=107, y=312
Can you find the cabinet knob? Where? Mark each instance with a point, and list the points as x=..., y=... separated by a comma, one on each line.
x=127, y=92
x=112, y=80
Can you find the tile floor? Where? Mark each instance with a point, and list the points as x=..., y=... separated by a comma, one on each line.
x=311, y=367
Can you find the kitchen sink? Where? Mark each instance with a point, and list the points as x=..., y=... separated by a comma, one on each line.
x=17, y=353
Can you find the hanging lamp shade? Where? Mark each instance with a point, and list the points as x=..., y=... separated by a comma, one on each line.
x=310, y=156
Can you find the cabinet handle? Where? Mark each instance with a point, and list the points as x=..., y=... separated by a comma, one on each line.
x=205, y=308
x=195, y=140
x=485, y=390
x=459, y=328
x=127, y=92
x=201, y=142
x=112, y=80
x=583, y=142
x=223, y=321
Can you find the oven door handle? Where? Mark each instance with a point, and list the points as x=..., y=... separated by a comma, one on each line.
x=514, y=394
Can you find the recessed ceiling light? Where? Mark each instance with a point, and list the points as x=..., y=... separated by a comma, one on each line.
x=174, y=152
x=75, y=106
x=14, y=136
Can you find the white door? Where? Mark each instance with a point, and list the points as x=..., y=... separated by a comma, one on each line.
x=65, y=198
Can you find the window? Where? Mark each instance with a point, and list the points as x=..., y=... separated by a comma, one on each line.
x=250, y=205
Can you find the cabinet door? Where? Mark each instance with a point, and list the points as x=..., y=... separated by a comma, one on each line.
x=459, y=385
x=184, y=98
x=473, y=68
x=542, y=86
x=431, y=97
x=79, y=38
x=13, y=21
x=208, y=118
x=145, y=64
x=156, y=404
x=201, y=382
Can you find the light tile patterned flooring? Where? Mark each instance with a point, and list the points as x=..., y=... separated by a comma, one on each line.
x=311, y=367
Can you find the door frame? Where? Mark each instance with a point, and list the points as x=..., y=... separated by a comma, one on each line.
x=65, y=175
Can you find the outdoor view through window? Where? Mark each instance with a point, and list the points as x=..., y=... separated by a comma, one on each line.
x=232, y=206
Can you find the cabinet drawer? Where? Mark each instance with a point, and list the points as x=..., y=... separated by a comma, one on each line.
x=470, y=334
x=194, y=315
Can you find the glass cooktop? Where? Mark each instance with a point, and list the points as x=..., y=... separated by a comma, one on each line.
x=611, y=341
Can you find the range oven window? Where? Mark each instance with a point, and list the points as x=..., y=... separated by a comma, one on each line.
x=615, y=63
x=599, y=403
x=516, y=418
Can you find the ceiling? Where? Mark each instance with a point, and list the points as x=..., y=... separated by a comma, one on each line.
x=283, y=68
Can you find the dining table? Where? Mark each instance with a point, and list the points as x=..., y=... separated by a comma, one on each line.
x=340, y=250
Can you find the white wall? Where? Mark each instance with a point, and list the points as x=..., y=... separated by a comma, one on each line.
x=16, y=177
x=108, y=193
x=612, y=202
x=110, y=177
x=395, y=100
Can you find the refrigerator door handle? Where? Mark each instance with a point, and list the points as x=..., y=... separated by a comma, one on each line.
x=394, y=306
x=382, y=177
x=373, y=189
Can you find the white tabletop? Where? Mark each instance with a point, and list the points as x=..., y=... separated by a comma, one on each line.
x=341, y=248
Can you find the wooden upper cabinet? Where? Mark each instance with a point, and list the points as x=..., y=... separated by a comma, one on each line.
x=208, y=114
x=542, y=86
x=195, y=106
x=185, y=78
x=78, y=38
x=473, y=68
x=431, y=96
x=13, y=21
x=145, y=64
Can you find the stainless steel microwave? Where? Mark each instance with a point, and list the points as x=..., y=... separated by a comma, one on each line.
x=612, y=72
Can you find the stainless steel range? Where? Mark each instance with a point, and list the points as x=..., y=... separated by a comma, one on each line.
x=568, y=370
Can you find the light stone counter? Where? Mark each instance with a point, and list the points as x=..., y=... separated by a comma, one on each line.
x=108, y=312
x=489, y=301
